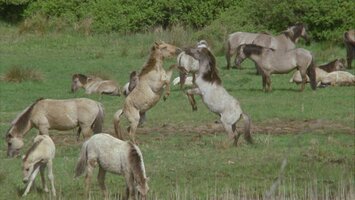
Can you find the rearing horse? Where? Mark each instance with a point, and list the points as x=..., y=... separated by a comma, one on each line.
x=152, y=81
x=216, y=98
x=284, y=41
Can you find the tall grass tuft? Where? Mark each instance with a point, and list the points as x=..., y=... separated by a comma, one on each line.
x=17, y=74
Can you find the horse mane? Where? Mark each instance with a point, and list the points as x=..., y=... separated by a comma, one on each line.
x=136, y=163
x=296, y=31
x=150, y=64
x=32, y=148
x=250, y=49
x=212, y=74
x=82, y=78
x=329, y=67
x=21, y=120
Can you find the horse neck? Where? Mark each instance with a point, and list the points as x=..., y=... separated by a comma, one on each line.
x=285, y=42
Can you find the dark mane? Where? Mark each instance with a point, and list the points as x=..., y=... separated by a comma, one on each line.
x=212, y=74
x=135, y=161
x=296, y=31
x=329, y=67
x=21, y=121
x=150, y=64
x=32, y=148
x=250, y=49
x=82, y=78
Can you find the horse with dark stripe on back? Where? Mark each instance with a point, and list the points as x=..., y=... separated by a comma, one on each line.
x=215, y=96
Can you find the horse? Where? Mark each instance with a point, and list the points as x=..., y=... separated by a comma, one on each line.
x=153, y=80
x=46, y=114
x=94, y=85
x=321, y=71
x=284, y=41
x=188, y=81
x=115, y=156
x=128, y=87
x=215, y=96
x=39, y=156
x=188, y=64
x=340, y=78
x=349, y=41
x=271, y=61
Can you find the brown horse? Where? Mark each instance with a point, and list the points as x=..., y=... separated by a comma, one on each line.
x=46, y=114
x=93, y=84
x=285, y=41
x=349, y=41
x=153, y=79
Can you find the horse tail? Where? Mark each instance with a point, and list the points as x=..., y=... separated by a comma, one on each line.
x=311, y=72
x=82, y=161
x=247, y=128
x=116, y=123
x=99, y=120
x=228, y=54
x=135, y=160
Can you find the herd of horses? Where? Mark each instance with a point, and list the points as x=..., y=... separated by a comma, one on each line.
x=271, y=54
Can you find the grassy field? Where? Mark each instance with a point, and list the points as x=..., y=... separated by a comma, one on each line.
x=184, y=151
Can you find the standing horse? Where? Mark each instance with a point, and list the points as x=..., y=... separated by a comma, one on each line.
x=216, y=98
x=285, y=41
x=188, y=64
x=349, y=41
x=46, y=114
x=272, y=61
x=37, y=158
x=94, y=85
x=115, y=156
x=153, y=79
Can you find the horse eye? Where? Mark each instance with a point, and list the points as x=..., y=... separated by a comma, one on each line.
x=9, y=143
x=27, y=169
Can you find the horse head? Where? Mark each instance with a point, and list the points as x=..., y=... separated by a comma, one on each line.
x=296, y=31
x=143, y=188
x=340, y=64
x=14, y=142
x=166, y=50
x=78, y=81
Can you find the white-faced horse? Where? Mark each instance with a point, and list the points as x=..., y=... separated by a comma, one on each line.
x=271, y=61
x=216, y=98
x=284, y=41
x=153, y=80
x=115, y=156
x=46, y=114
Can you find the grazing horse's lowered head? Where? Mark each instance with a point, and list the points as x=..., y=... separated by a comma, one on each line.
x=296, y=31
x=78, y=81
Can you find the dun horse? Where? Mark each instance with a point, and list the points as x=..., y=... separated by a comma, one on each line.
x=94, y=85
x=321, y=71
x=188, y=64
x=285, y=41
x=349, y=41
x=216, y=98
x=115, y=156
x=272, y=61
x=46, y=114
x=153, y=79
x=37, y=158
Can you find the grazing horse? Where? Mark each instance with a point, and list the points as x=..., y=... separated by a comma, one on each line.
x=285, y=41
x=153, y=79
x=188, y=64
x=321, y=71
x=216, y=98
x=272, y=61
x=37, y=158
x=349, y=41
x=115, y=156
x=94, y=85
x=46, y=114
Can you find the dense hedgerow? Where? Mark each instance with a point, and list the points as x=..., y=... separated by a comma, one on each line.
x=326, y=19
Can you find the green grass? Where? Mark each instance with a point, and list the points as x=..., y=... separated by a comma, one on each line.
x=182, y=163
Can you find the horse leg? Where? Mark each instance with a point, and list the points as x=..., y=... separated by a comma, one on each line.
x=51, y=176
x=78, y=134
x=41, y=170
x=141, y=119
x=231, y=133
x=116, y=124
x=101, y=180
x=133, y=117
x=304, y=78
x=228, y=58
x=264, y=82
x=89, y=170
x=190, y=93
x=86, y=130
x=268, y=83
x=167, y=90
x=32, y=178
x=130, y=191
x=43, y=130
